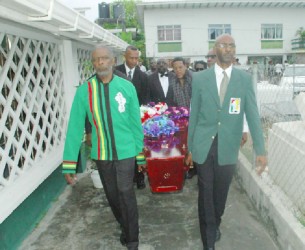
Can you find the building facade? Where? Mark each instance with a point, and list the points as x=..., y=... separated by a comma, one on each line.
x=263, y=30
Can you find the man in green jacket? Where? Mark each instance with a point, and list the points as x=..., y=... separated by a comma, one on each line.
x=221, y=96
x=112, y=107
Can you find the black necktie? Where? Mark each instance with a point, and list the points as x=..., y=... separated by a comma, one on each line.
x=129, y=74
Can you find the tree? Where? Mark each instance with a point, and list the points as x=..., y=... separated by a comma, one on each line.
x=131, y=21
x=136, y=39
x=301, y=33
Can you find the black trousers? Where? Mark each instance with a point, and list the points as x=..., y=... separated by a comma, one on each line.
x=214, y=182
x=117, y=178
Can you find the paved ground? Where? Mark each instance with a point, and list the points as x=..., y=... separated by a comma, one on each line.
x=81, y=220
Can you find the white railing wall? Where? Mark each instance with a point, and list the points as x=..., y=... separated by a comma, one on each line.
x=284, y=130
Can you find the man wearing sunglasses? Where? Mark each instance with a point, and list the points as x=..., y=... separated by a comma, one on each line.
x=211, y=58
x=200, y=65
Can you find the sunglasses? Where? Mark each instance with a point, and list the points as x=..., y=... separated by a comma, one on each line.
x=199, y=69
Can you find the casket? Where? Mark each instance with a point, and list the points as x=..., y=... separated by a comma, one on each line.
x=165, y=162
x=165, y=131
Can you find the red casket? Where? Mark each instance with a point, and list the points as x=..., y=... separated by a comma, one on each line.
x=165, y=162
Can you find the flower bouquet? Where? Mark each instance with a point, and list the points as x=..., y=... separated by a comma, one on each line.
x=159, y=133
x=180, y=116
x=159, y=126
x=151, y=109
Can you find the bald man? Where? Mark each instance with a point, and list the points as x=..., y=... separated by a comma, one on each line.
x=221, y=96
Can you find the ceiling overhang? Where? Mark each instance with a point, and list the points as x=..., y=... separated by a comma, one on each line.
x=54, y=17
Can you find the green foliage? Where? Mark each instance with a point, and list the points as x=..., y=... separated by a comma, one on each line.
x=301, y=33
x=126, y=36
x=131, y=21
x=130, y=13
x=109, y=26
x=88, y=67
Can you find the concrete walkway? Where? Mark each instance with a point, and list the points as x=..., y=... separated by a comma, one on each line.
x=81, y=220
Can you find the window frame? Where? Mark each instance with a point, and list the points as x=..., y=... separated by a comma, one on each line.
x=169, y=33
x=275, y=31
x=221, y=28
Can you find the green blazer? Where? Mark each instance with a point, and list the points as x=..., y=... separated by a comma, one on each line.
x=208, y=118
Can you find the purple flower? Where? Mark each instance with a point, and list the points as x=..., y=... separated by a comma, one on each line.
x=159, y=125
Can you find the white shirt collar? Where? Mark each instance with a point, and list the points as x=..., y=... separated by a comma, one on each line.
x=219, y=70
x=128, y=69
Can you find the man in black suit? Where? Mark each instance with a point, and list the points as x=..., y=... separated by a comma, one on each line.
x=139, y=79
x=132, y=71
x=159, y=89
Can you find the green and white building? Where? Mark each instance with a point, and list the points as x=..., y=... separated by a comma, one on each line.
x=263, y=30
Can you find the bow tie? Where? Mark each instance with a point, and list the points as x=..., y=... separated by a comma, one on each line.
x=165, y=74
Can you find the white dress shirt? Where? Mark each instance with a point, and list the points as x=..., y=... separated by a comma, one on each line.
x=164, y=83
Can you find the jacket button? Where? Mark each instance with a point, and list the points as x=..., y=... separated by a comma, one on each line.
x=219, y=123
x=213, y=137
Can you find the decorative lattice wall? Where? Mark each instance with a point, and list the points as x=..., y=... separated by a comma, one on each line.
x=85, y=68
x=31, y=103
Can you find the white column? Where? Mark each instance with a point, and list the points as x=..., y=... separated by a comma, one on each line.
x=70, y=71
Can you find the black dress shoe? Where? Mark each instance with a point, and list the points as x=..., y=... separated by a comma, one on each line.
x=123, y=239
x=208, y=248
x=140, y=184
x=218, y=234
x=190, y=174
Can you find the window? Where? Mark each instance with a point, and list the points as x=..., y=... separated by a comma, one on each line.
x=169, y=33
x=272, y=31
x=215, y=30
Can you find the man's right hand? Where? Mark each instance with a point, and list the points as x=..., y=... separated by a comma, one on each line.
x=142, y=168
x=188, y=159
x=71, y=179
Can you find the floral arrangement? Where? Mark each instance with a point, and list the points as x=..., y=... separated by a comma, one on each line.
x=158, y=126
x=180, y=116
x=151, y=109
x=161, y=122
x=177, y=112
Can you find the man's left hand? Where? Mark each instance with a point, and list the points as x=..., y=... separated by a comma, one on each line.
x=244, y=139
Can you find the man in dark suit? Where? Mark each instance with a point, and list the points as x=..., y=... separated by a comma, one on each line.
x=159, y=89
x=221, y=96
x=132, y=71
x=139, y=79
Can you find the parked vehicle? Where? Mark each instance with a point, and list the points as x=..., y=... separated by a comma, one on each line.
x=294, y=76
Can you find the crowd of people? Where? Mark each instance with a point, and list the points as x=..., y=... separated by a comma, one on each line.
x=219, y=97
